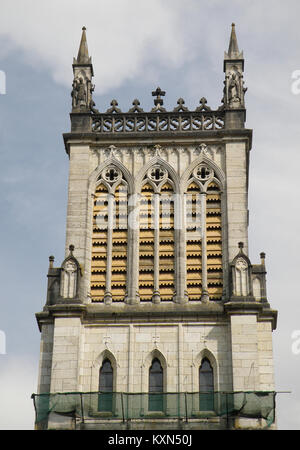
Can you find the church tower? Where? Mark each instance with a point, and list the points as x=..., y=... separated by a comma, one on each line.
x=157, y=319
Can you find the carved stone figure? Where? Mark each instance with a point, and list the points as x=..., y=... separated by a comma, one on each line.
x=69, y=280
x=79, y=94
x=241, y=277
x=234, y=90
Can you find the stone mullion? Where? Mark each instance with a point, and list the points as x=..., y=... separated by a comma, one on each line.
x=204, y=295
x=180, y=248
x=156, y=294
x=133, y=252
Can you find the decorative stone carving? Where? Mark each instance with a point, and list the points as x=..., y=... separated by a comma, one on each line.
x=203, y=106
x=158, y=101
x=157, y=173
x=113, y=108
x=136, y=107
x=82, y=94
x=204, y=150
x=234, y=90
x=180, y=107
x=203, y=173
x=241, y=274
x=69, y=276
x=111, y=174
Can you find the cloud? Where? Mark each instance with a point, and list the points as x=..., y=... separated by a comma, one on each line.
x=18, y=380
x=124, y=37
x=138, y=41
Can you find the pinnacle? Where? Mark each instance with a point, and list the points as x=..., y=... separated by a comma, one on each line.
x=83, y=53
x=233, y=49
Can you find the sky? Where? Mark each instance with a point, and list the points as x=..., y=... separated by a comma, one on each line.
x=136, y=46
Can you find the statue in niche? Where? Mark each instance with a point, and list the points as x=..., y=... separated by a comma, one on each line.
x=69, y=279
x=241, y=277
x=79, y=97
x=234, y=90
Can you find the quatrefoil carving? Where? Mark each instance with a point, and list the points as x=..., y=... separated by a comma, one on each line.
x=111, y=174
x=157, y=173
x=203, y=173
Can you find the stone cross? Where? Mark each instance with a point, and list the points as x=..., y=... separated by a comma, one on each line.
x=158, y=94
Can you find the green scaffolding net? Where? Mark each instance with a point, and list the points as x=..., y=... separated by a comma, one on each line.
x=124, y=406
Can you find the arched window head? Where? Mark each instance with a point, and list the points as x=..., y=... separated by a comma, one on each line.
x=206, y=386
x=105, y=399
x=106, y=377
x=156, y=386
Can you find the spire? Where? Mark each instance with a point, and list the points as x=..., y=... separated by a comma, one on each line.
x=233, y=49
x=83, y=53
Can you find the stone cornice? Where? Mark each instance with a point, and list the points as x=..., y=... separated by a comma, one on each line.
x=132, y=139
x=263, y=312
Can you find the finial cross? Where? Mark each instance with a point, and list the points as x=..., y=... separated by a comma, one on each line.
x=158, y=93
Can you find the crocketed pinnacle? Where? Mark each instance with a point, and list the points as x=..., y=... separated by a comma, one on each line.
x=83, y=53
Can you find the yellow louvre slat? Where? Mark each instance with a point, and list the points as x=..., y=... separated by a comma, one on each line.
x=194, y=293
x=212, y=247
x=215, y=290
x=213, y=221
x=211, y=276
x=214, y=264
x=98, y=279
x=146, y=251
x=146, y=289
x=165, y=248
x=118, y=278
x=213, y=196
x=167, y=277
x=214, y=234
x=190, y=250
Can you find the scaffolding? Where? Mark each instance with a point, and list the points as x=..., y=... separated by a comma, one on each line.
x=122, y=406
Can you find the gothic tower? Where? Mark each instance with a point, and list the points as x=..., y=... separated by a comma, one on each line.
x=157, y=319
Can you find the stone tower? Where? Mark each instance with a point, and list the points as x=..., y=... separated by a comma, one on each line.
x=157, y=318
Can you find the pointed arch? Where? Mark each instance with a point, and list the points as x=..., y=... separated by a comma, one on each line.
x=205, y=353
x=202, y=159
x=111, y=161
x=155, y=354
x=157, y=160
x=110, y=231
x=105, y=354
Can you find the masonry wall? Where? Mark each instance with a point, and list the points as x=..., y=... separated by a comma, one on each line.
x=180, y=347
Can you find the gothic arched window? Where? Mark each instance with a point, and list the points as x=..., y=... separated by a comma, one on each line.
x=156, y=386
x=206, y=386
x=105, y=399
x=156, y=242
x=203, y=235
x=109, y=237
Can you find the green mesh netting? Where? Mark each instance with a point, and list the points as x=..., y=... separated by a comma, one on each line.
x=123, y=406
